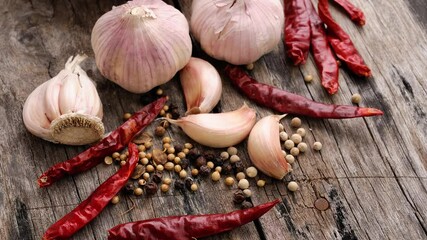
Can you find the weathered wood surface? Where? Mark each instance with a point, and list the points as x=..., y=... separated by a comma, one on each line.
x=373, y=170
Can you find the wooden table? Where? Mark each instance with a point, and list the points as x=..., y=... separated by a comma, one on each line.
x=373, y=171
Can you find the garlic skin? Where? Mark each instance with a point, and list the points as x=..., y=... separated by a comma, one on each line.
x=264, y=147
x=237, y=31
x=141, y=44
x=218, y=130
x=202, y=86
x=65, y=109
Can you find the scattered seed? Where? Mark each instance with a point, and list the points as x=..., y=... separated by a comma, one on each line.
x=151, y=188
x=194, y=172
x=166, y=140
x=137, y=173
x=171, y=150
x=126, y=116
x=166, y=145
x=289, y=144
x=177, y=168
x=250, y=66
x=179, y=184
x=246, y=204
x=164, y=188
x=186, y=150
x=243, y=183
x=122, y=163
x=296, y=138
x=283, y=136
x=149, y=155
x=123, y=157
x=215, y=176
x=251, y=172
x=229, y=181
x=159, y=131
x=356, y=98
x=234, y=158
x=181, y=155
x=177, y=160
x=170, y=157
x=238, y=166
x=281, y=127
x=204, y=170
x=169, y=166
x=317, y=146
x=308, y=78
x=108, y=160
x=293, y=186
x=302, y=146
x=116, y=155
x=200, y=161
x=146, y=176
x=238, y=196
x=240, y=175
x=141, y=148
x=148, y=145
x=247, y=192
x=142, y=182
x=224, y=156
x=115, y=200
x=210, y=165
x=284, y=153
x=183, y=174
x=232, y=151
x=162, y=113
x=194, y=187
x=294, y=151
x=260, y=183
x=218, y=169
x=149, y=168
x=301, y=132
x=290, y=158
x=159, y=91
x=188, y=145
x=296, y=122
x=160, y=167
x=138, y=191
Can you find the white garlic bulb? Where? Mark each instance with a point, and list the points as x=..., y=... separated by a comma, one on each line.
x=237, y=31
x=65, y=109
x=141, y=44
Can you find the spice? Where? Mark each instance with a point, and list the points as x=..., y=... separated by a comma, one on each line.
x=169, y=166
x=289, y=144
x=138, y=191
x=238, y=166
x=301, y=132
x=166, y=140
x=188, y=182
x=234, y=158
x=183, y=174
x=200, y=161
x=321, y=204
x=164, y=188
x=142, y=182
x=224, y=155
x=149, y=168
x=151, y=188
x=260, y=183
x=115, y=155
x=281, y=128
x=293, y=186
x=308, y=78
x=122, y=163
x=210, y=165
x=179, y=184
x=194, y=172
x=201, y=225
x=283, y=136
x=247, y=192
x=216, y=176
x=193, y=154
x=87, y=210
x=167, y=181
x=129, y=187
x=185, y=163
x=341, y=42
x=322, y=52
x=137, y=173
x=296, y=122
x=285, y=102
x=108, y=160
x=290, y=158
x=296, y=138
x=243, y=184
x=239, y=196
x=246, y=205
x=146, y=176
x=356, y=98
x=302, y=147
x=159, y=131
x=240, y=175
x=204, y=170
x=194, y=187
x=294, y=151
x=317, y=146
x=115, y=200
x=356, y=15
x=251, y=172
x=218, y=169
x=227, y=168
x=297, y=31
x=171, y=150
x=229, y=181
x=157, y=177
x=115, y=141
x=181, y=155
x=232, y=151
x=188, y=145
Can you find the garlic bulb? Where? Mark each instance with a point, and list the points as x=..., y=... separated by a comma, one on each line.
x=66, y=109
x=264, y=147
x=218, y=130
x=141, y=44
x=202, y=86
x=237, y=31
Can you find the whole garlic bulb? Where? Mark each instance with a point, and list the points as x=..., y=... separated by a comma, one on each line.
x=237, y=31
x=141, y=44
x=65, y=109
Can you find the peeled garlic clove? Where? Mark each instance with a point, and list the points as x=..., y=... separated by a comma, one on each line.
x=202, y=86
x=66, y=109
x=239, y=32
x=141, y=44
x=218, y=130
x=264, y=147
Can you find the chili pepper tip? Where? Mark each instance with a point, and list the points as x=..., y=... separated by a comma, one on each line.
x=367, y=112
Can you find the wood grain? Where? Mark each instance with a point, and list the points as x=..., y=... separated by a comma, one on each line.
x=373, y=171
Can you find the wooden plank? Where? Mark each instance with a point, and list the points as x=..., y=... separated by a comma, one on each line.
x=372, y=170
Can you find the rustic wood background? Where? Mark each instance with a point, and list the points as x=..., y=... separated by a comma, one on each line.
x=372, y=170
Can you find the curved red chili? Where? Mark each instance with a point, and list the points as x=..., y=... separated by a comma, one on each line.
x=87, y=210
x=187, y=227
x=297, y=31
x=356, y=15
x=322, y=53
x=116, y=141
x=341, y=43
x=286, y=102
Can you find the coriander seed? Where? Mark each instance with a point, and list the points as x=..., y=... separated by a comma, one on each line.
x=149, y=155
x=138, y=191
x=243, y=183
x=296, y=138
x=166, y=108
x=356, y=98
x=218, y=169
x=302, y=146
x=183, y=174
x=289, y=144
x=122, y=163
x=193, y=187
x=290, y=158
x=210, y=165
x=115, y=155
x=296, y=122
x=247, y=192
x=229, y=181
x=115, y=200
x=166, y=140
x=160, y=167
x=215, y=176
x=251, y=172
x=224, y=156
x=141, y=148
x=188, y=146
x=159, y=91
x=123, y=157
x=146, y=176
x=171, y=150
x=234, y=158
x=181, y=155
x=177, y=168
x=308, y=78
x=240, y=175
x=169, y=166
x=166, y=145
x=126, y=116
x=177, y=160
x=142, y=182
x=144, y=161
x=148, y=144
x=284, y=153
x=171, y=157
x=250, y=66
x=317, y=146
x=108, y=160
x=260, y=183
x=294, y=151
x=194, y=172
x=232, y=151
x=293, y=186
x=167, y=181
x=149, y=168
x=301, y=132
x=164, y=188
x=186, y=150
x=142, y=154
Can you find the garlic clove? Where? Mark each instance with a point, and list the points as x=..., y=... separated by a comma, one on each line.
x=264, y=147
x=202, y=86
x=218, y=130
x=67, y=108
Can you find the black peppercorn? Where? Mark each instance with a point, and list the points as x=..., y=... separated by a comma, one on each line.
x=209, y=155
x=178, y=148
x=129, y=187
x=226, y=168
x=179, y=184
x=204, y=170
x=157, y=177
x=238, y=166
x=239, y=197
x=184, y=163
x=200, y=161
x=193, y=154
x=188, y=183
x=246, y=204
x=218, y=161
x=151, y=188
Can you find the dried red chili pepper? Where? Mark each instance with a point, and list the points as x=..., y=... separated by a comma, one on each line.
x=116, y=141
x=87, y=210
x=286, y=102
x=341, y=42
x=188, y=227
x=322, y=53
x=297, y=31
x=356, y=15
